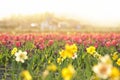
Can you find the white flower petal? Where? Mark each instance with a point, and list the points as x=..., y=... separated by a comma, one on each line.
x=22, y=60
x=17, y=59
x=25, y=53
x=16, y=54
x=21, y=56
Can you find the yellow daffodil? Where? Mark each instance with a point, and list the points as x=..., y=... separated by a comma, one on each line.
x=63, y=54
x=25, y=75
x=70, y=51
x=68, y=72
x=68, y=47
x=115, y=56
x=71, y=48
x=74, y=48
x=115, y=74
x=69, y=54
x=51, y=67
x=14, y=51
x=91, y=50
x=118, y=62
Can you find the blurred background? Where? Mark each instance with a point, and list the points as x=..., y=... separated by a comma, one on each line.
x=59, y=15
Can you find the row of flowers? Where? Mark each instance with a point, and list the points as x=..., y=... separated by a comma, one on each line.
x=112, y=39
x=60, y=56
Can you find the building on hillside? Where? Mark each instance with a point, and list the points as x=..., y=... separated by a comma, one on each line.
x=48, y=24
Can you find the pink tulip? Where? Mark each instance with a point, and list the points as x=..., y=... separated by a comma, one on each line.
x=50, y=42
x=108, y=44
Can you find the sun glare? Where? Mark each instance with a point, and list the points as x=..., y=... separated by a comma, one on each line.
x=102, y=12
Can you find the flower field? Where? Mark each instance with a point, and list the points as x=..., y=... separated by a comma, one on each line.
x=60, y=56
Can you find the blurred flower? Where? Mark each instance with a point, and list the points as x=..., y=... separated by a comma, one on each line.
x=102, y=70
x=50, y=42
x=96, y=45
x=26, y=75
x=115, y=74
x=41, y=46
x=68, y=54
x=4, y=42
x=14, y=51
x=21, y=56
x=108, y=44
x=51, y=67
x=71, y=48
x=106, y=59
x=70, y=51
x=104, y=67
x=45, y=74
x=18, y=44
x=91, y=50
x=118, y=62
x=114, y=42
x=115, y=56
x=68, y=72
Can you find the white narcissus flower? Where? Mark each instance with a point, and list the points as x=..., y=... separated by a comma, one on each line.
x=102, y=70
x=21, y=56
x=106, y=59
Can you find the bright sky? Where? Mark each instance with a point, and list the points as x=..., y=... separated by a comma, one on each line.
x=102, y=12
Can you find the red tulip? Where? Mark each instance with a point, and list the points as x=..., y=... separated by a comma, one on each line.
x=18, y=44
